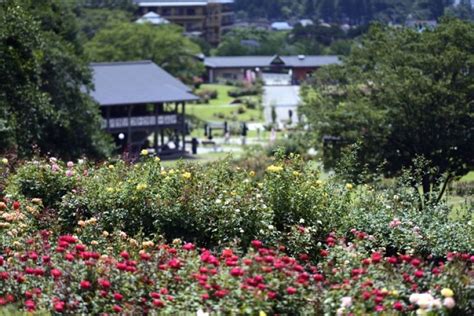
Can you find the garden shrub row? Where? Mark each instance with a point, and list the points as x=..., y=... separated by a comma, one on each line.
x=361, y=239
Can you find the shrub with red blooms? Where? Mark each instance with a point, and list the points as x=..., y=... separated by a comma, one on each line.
x=177, y=279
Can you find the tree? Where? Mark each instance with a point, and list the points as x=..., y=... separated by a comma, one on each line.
x=404, y=97
x=165, y=45
x=42, y=104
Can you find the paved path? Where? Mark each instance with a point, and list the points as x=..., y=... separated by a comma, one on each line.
x=283, y=99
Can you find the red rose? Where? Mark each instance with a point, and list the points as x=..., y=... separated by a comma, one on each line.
x=124, y=255
x=155, y=295
x=236, y=272
x=318, y=277
x=271, y=295
x=85, y=285
x=379, y=308
x=16, y=205
x=145, y=256
x=291, y=290
x=117, y=308
x=256, y=244
x=205, y=297
x=392, y=260
x=30, y=305
x=122, y=266
x=366, y=295
x=415, y=262
x=419, y=273
x=189, y=246
x=69, y=257
x=4, y=275
x=56, y=273
x=158, y=303
x=59, y=307
x=118, y=296
x=376, y=257
x=398, y=306
x=324, y=253
x=104, y=283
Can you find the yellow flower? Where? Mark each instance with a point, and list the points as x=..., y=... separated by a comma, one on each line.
x=262, y=313
x=157, y=159
x=273, y=168
x=133, y=242
x=252, y=173
x=296, y=173
x=111, y=167
x=319, y=182
x=94, y=242
x=163, y=173
x=447, y=292
x=394, y=293
x=187, y=175
x=81, y=223
x=5, y=161
x=141, y=187
x=110, y=190
x=105, y=233
x=144, y=152
x=349, y=186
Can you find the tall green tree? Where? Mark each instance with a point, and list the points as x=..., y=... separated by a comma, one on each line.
x=165, y=45
x=404, y=97
x=42, y=103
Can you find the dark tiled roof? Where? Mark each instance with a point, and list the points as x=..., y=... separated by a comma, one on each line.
x=265, y=61
x=136, y=83
x=178, y=2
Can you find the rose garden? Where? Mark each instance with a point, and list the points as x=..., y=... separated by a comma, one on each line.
x=83, y=238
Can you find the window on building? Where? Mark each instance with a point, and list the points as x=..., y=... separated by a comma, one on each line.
x=191, y=11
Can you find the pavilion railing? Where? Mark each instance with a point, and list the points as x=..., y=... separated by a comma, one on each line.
x=141, y=121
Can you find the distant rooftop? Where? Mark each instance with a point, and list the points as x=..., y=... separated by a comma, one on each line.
x=281, y=26
x=153, y=18
x=266, y=61
x=174, y=3
x=136, y=82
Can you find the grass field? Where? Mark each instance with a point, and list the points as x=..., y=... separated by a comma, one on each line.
x=468, y=178
x=221, y=109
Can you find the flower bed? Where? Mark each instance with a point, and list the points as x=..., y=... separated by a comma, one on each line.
x=117, y=274
x=136, y=239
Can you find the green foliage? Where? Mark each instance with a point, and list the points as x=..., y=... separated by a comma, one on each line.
x=165, y=45
x=402, y=95
x=352, y=11
x=42, y=103
x=220, y=204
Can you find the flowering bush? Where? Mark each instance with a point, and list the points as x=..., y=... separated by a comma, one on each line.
x=118, y=274
x=285, y=242
x=223, y=204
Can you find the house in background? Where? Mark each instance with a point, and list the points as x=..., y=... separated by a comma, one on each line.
x=207, y=18
x=139, y=99
x=281, y=26
x=153, y=18
x=235, y=68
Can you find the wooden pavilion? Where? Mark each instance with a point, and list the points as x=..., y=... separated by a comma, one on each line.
x=139, y=99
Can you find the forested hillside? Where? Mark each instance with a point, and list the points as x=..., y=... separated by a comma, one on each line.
x=351, y=11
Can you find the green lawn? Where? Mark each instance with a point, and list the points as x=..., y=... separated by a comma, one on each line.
x=468, y=177
x=222, y=94
x=221, y=109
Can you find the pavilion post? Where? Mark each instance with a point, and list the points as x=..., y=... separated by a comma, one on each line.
x=155, y=134
x=183, y=125
x=129, y=133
